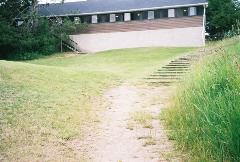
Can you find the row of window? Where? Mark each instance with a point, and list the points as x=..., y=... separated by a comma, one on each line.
x=140, y=15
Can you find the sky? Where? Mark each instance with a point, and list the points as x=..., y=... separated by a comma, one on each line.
x=55, y=1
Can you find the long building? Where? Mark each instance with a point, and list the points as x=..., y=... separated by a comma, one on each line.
x=116, y=24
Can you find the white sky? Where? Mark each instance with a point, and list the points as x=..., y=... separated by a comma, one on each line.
x=56, y=1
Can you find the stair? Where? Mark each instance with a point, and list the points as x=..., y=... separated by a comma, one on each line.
x=72, y=45
x=173, y=72
x=71, y=48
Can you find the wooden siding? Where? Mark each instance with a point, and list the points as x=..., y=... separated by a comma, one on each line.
x=167, y=23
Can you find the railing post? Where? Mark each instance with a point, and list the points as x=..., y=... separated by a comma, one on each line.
x=61, y=46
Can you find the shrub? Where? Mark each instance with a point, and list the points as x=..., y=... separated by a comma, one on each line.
x=26, y=42
x=24, y=56
x=20, y=43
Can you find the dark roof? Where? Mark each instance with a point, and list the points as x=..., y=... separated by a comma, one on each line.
x=101, y=6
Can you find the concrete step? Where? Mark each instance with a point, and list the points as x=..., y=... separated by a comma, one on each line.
x=162, y=83
x=174, y=70
x=184, y=59
x=167, y=75
x=194, y=56
x=164, y=78
x=175, y=67
x=179, y=63
x=170, y=72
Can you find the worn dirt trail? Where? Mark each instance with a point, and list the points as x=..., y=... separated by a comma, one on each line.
x=130, y=129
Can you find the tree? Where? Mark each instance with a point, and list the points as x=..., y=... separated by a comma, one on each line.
x=32, y=38
x=221, y=16
x=36, y=36
x=10, y=9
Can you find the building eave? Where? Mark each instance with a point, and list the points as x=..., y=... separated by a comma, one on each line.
x=131, y=10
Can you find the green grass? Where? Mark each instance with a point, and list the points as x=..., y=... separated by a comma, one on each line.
x=205, y=114
x=47, y=102
x=128, y=64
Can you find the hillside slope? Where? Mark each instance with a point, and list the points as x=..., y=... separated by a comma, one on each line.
x=205, y=114
x=46, y=102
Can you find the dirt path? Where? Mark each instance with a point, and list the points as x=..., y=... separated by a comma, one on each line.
x=130, y=130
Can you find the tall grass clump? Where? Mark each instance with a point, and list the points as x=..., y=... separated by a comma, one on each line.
x=205, y=115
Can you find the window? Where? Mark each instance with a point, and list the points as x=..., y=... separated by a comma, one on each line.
x=161, y=14
x=119, y=17
x=192, y=11
x=86, y=19
x=59, y=20
x=200, y=10
x=103, y=18
x=19, y=22
x=94, y=19
x=180, y=12
x=171, y=12
x=112, y=18
x=76, y=20
x=142, y=15
x=150, y=15
x=127, y=17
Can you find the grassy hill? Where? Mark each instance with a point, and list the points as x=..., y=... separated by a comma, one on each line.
x=46, y=102
x=205, y=114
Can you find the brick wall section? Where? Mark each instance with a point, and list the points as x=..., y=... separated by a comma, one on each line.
x=167, y=23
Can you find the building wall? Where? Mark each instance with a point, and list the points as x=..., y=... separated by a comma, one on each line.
x=173, y=32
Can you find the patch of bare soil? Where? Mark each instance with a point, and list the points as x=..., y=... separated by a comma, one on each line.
x=130, y=129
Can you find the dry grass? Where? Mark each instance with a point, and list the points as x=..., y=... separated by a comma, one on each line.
x=143, y=118
x=149, y=142
x=47, y=102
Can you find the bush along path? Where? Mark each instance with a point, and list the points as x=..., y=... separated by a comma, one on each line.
x=130, y=129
